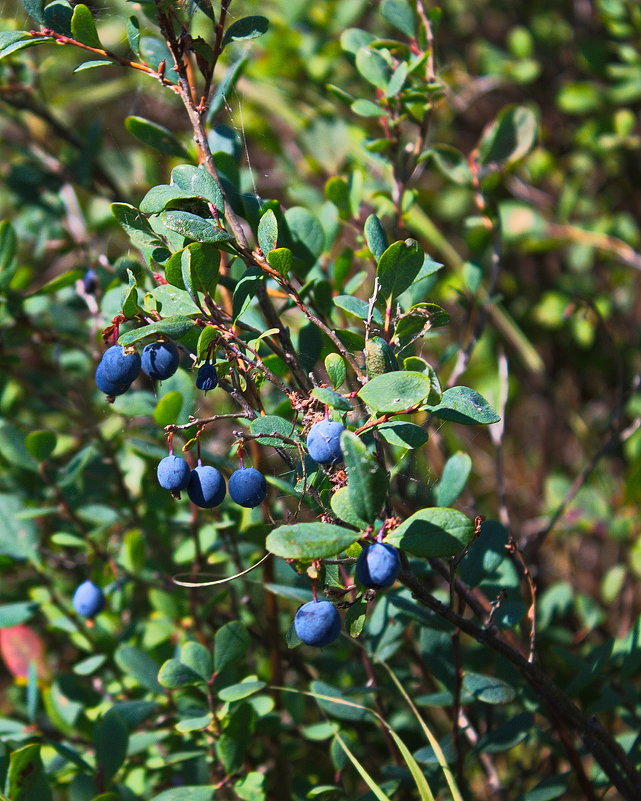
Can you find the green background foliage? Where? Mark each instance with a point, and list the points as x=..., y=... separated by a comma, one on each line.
x=440, y=208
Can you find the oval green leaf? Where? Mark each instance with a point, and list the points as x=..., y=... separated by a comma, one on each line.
x=435, y=532
x=396, y=391
x=309, y=540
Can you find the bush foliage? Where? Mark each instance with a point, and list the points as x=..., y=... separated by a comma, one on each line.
x=415, y=227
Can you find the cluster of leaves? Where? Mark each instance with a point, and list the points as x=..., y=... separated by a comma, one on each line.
x=311, y=300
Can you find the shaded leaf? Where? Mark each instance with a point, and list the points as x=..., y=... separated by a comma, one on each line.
x=139, y=665
x=230, y=643
x=26, y=780
x=193, y=227
x=154, y=135
x=173, y=327
x=453, y=480
x=402, y=434
x=331, y=398
x=400, y=14
x=136, y=225
x=245, y=28
x=110, y=739
x=173, y=674
x=398, y=267
x=366, y=481
x=199, y=182
x=510, y=138
x=83, y=27
x=268, y=231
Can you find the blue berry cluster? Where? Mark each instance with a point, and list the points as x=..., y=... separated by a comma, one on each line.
x=318, y=622
x=205, y=485
x=118, y=368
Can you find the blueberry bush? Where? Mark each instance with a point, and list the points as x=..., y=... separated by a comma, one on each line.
x=319, y=400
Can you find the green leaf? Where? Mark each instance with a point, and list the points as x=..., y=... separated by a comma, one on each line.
x=455, y=474
x=336, y=370
x=168, y=408
x=344, y=507
x=173, y=674
x=331, y=398
x=13, y=450
x=375, y=236
x=271, y=424
x=21, y=43
x=159, y=197
x=171, y=301
x=8, y=245
x=26, y=780
x=398, y=267
x=187, y=793
x=154, y=135
x=268, y=232
x=245, y=28
x=40, y=444
x=357, y=307
x=488, y=688
x=18, y=536
x=154, y=51
x=133, y=35
x=510, y=138
x=17, y=613
x=506, y=736
x=402, y=434
x=236, y=692
x=451, y=163
x=232, y=745
x=197, y=657
x=201, y=262
x=59, y=282
x=225, y=87
x=58, y=16
x=396, y=391
x=194, y=724
x=197, y=181
x=230, y=643
x=306, y=234
x=83, y=27
x=139, y=665
x=309, y=540
x=464, y=405
x=246, y=291
x=366, y=108
x=173, y=327
x=282, y=260
x=434, y=532
x=35, y=9
x=373, y=67
x=193, y=227
x=366, y=480
x=110, y=739
x=399, y=76
x=207, y=336
x=136, y=225
x=89, y=65
x=400, y=14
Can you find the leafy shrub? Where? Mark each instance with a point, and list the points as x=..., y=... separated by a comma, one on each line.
x=344, y=257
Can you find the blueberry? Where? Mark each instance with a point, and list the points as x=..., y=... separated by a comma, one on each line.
x=90, y=282
x=247, y=487
x=173, y=473
x=160, y=360
x=378, y=566
x=206, y=487
x=317, y=623
x=324, y=442
x=117, y=370
x=88, y=599
x=206, y=378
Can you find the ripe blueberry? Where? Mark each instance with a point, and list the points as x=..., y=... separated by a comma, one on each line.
x=160, y=360
x=206, y=486
x=317, y=623
x=88, y=599
x=117, y=370
x=206, y=378
x=173, y=473
x=247, y=487
x=377, y=566
x=324, y=442
x=90, y=281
